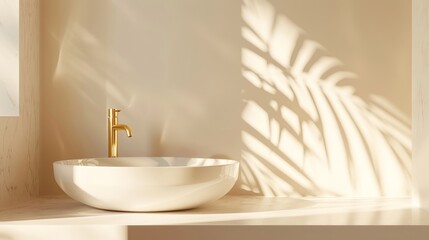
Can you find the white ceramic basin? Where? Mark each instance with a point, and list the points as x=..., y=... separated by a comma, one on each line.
x=146, y=184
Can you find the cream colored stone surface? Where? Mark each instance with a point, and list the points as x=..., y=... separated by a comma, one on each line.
x=232, y=217
x=19, y=136
x=230, y=210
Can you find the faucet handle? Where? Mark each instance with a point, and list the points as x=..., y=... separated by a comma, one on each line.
x=112, y=112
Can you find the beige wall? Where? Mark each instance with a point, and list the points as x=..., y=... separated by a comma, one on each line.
x=326, y=97
x=19, y=141
x=312, y=96
x=173, y=67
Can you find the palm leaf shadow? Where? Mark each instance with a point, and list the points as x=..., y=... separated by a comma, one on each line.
x=334, y=140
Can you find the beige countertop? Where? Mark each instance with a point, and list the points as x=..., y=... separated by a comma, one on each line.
x=230, y=210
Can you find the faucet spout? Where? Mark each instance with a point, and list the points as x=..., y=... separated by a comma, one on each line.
x=113, y=128
x=123, y=127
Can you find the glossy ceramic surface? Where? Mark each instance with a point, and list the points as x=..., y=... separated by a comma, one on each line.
x=146, y=184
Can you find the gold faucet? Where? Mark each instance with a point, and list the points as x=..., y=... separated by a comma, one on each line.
x=113, y=128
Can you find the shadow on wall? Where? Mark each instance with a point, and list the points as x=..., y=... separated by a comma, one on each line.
x=75, y=75
x=307, y=129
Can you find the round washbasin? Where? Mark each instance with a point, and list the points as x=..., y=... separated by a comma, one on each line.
x=146, y=184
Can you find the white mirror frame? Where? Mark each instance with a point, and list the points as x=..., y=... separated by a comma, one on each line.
x=9, y=58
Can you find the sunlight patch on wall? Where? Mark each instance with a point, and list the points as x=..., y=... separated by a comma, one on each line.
x=306, y=129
